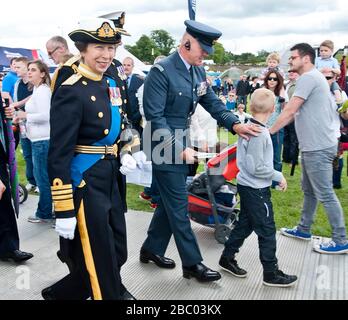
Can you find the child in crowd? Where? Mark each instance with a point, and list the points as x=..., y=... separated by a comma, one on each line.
x=272, y=61
x=231, y=101
x=242, y=116
x=255, y=162
x=326, y=60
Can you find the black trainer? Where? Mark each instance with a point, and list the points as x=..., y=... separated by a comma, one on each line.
x=231, y=266
x=278, y=279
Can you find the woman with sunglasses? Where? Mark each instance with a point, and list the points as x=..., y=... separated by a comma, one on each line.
x=275, y=82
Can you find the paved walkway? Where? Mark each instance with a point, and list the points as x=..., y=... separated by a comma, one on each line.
x=320, y=276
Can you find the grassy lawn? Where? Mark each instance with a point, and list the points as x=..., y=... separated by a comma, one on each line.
x=287, y=205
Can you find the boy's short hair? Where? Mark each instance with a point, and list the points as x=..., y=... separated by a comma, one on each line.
x=25, y=60
x=328, y=43
x=273, y=56
x=262, y=101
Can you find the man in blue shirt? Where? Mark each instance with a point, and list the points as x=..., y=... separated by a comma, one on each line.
x=9, y=81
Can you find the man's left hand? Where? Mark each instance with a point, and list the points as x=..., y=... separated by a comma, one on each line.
x=247, y=130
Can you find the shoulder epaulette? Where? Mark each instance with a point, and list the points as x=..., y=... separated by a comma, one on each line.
x=72, y=80
x=158, y=66
x=72, y=60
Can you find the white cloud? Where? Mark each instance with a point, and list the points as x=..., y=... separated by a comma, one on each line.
x=249, y=25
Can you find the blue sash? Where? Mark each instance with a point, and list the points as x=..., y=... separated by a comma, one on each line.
x=82, y=162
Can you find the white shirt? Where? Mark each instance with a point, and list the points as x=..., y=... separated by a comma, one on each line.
x=38, y=113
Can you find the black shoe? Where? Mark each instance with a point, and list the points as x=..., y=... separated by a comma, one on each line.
x=48, y=294
x=201, y=273
x=231, y=266
x=278, y=278
x=162, y=262
x=127, y=296
x=16, y=256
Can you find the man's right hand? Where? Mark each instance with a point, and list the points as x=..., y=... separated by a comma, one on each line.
x=2, y=189
x=189, y=155
x=247, y=130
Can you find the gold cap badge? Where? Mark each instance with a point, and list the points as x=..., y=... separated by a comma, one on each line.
x=106, y=31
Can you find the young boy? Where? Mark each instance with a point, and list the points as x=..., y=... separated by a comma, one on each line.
x=326, y=60
x=272, y=61
x=255, y=162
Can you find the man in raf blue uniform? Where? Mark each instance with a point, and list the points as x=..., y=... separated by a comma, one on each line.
x=172, y=91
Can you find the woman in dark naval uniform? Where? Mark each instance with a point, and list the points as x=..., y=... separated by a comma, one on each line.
x=85, y=166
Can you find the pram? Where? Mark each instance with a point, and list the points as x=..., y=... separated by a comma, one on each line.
x=212, y=198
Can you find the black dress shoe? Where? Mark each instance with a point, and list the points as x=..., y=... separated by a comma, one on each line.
x=127, y=296
x=16, y=256
x=201, y=273
x=162, y=262
x=48, y=294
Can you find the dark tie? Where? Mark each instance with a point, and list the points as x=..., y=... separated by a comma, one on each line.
x=191, y=73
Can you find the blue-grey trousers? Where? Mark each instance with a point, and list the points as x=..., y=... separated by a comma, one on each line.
x=317, y=187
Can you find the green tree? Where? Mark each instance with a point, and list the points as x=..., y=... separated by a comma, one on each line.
x=163, y=40
x=220, y=56
x=144, y=49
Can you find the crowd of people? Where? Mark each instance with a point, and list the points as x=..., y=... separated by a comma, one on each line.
x=83, y=130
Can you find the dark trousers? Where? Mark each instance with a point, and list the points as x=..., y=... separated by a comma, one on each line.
x=290, y=147
x=171, y=218
x=152, y=191
x=337, y=173
x=104, y=223
x=9, y=239
x=256, y=215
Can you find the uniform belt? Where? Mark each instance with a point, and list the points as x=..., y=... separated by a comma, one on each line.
x=105, y=150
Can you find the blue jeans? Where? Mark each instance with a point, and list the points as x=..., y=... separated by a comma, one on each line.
x=277, y=141
x=28, y=158
x=40, y=153
x=317, y=186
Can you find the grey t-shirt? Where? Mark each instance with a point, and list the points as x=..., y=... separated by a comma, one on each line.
x=255, y=161
x=315, y=120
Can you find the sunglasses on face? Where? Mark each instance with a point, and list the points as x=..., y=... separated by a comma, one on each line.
x=272, y=79
x=329, y=78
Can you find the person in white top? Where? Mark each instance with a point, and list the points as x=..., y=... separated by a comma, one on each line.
x=242, y=116
x=37, y=115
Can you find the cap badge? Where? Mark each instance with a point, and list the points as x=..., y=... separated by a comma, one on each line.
x=106, y=31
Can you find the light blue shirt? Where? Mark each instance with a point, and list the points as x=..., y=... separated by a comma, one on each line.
x=129, y=79
x=187, y=65
x=331, y=62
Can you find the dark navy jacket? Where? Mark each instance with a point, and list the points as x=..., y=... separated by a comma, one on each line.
x=170, y=98
x=133, y=112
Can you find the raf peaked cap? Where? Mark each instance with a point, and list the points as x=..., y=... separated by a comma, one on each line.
x=205, y=35
x=118, y=18
x=95, y=30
